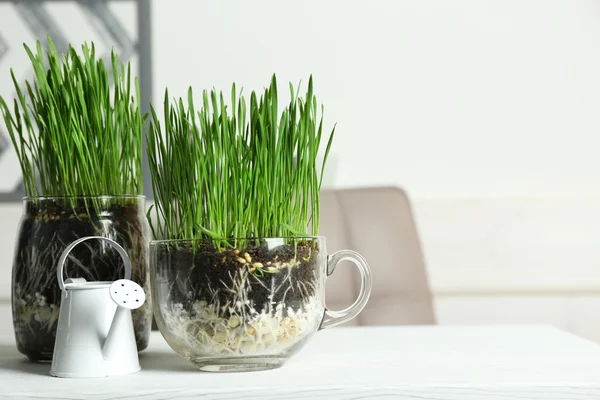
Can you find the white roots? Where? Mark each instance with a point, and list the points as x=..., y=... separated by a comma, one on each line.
x=36, y=308
x=202, y=332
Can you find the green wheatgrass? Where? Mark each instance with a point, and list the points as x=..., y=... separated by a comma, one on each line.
x=233, y=171
x=77, y=128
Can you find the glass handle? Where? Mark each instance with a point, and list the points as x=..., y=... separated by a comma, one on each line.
x=333, y=318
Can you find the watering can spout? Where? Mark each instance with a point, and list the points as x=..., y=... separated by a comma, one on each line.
x=113, y=343
x=128, y=296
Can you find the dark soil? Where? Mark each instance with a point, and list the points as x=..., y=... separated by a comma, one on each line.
x=47, y=227
x=205, y=272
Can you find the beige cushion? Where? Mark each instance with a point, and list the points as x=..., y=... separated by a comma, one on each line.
x=378, y=223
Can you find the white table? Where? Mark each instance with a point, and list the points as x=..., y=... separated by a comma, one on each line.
x=499, y=362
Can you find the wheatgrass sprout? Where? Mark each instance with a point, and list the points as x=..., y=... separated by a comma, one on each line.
x=77, y=128
x=237, y=169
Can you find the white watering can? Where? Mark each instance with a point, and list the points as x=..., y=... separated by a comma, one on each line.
x=95, y=337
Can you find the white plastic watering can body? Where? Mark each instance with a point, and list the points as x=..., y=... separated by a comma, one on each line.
x=83, y=347
x=94, y=336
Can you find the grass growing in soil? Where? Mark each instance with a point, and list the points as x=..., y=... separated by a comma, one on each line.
x=77, y=128
x=238, y=170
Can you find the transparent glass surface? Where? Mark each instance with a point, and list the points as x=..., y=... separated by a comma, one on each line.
x=243, y=305
x=48, y=225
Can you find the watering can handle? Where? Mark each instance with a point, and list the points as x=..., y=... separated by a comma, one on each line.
x=65, y=254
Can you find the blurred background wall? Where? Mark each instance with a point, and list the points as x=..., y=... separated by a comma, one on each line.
x=486, y=112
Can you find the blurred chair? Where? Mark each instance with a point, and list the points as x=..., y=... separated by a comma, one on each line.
x=378, y=223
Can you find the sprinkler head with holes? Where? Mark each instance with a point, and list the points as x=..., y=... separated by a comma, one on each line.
x=127, y=294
